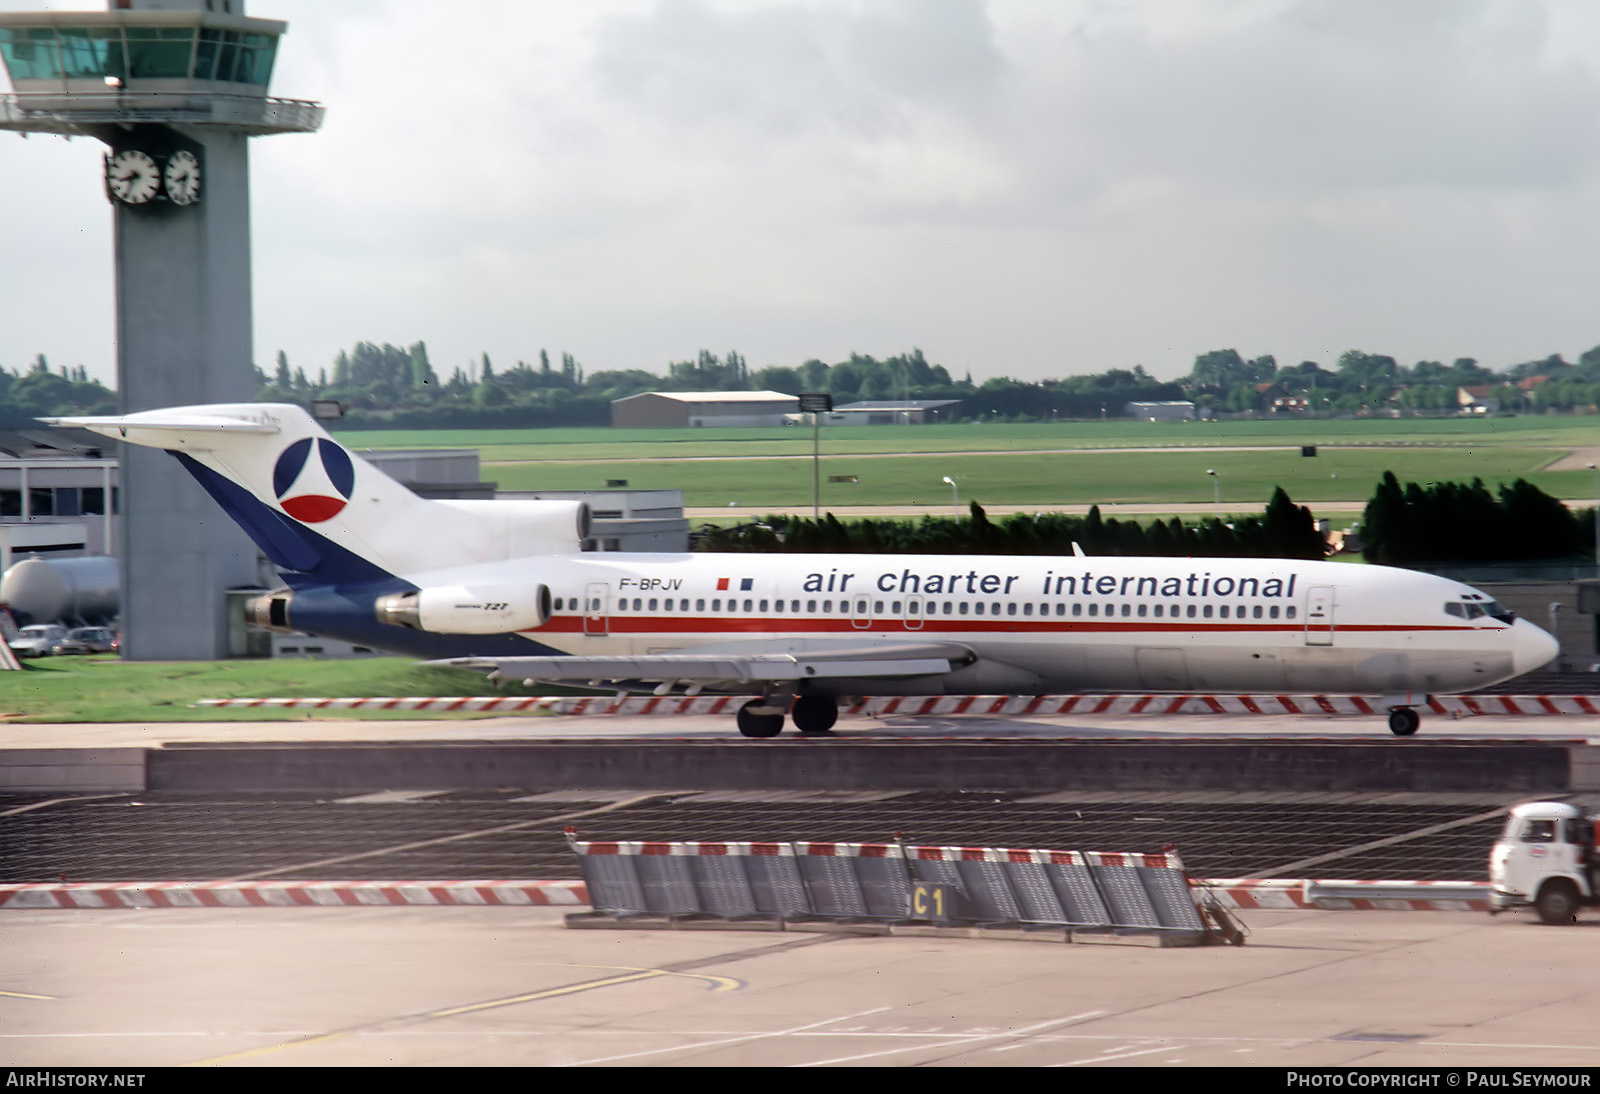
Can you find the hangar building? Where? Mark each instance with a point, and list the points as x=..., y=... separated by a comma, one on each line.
x=682, y=409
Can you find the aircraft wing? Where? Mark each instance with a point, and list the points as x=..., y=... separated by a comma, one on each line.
x=889, y=659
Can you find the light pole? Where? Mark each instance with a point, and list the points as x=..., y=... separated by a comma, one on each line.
x=1216, y=488
x=816, y=403
x=955, y=494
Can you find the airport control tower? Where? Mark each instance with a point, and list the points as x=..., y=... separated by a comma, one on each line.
x=175, y=89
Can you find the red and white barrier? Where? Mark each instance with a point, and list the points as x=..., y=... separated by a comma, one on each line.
x=1240, y=893
x=1455, y=706
x=1316, y=893
x=291, y=894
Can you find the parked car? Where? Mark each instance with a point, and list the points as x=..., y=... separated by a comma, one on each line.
x=38, y=639
x=87, y=640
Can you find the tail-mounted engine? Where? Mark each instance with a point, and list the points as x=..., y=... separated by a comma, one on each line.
x=270, y=612
x=459, y=609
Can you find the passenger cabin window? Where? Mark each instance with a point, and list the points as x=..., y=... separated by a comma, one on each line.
x=1289, y=612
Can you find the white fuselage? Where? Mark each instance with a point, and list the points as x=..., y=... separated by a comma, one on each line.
x=1043, y=624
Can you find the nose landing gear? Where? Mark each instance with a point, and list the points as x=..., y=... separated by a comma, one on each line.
x=1403, y=721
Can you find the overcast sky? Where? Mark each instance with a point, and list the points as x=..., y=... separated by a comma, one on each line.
x=1019, y=187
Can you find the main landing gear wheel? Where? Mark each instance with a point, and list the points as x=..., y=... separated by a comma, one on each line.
x=1403, y=721
x=753, y=724
x=814, y=715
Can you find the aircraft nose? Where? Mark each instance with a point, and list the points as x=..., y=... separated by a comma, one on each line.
x=1531, y=648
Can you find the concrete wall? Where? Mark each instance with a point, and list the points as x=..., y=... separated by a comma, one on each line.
x=1511, y=768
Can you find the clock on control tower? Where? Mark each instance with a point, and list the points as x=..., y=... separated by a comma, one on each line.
x=137, y=177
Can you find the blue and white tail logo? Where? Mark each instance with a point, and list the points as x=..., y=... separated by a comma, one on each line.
x=313, y=479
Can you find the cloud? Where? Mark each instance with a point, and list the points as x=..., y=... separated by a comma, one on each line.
x=1016, y=187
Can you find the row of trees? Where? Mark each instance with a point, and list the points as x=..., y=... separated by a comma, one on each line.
x=1414, y=524
x=1463, y=522
x=1284, y=530
x=1225, y=380
x=390, y=385
x=39, y=391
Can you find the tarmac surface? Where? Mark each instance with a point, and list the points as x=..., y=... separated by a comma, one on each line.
x=509, y=986
x=513, y=835
x=443, y=986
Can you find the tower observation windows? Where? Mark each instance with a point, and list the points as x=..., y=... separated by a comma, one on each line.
x=138, y=52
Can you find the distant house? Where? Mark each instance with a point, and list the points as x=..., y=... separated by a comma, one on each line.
x=1476, y=398
x=681, y=409
x=1172, y=411
x=892, y=411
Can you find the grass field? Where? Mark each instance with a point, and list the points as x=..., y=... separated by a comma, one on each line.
x=1031, y=479
x=1011, y=463
x=105, y=689
x=1534, y=431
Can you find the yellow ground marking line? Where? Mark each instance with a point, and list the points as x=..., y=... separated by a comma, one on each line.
x=25, y=995
x=718, y=983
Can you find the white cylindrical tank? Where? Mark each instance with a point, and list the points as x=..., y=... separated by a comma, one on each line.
x=44, y=590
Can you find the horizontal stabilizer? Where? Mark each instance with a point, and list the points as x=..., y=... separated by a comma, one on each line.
x=171, y=429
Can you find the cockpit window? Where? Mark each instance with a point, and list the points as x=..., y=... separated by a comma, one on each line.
x=1499, y=611
x=1475, y=606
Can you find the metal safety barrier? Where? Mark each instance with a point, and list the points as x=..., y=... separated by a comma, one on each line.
x=891, y=883
x=1162, y=705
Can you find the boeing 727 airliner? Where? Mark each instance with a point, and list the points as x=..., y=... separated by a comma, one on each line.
x=506, y=587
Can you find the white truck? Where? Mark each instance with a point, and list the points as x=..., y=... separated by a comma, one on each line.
x=1547, y=858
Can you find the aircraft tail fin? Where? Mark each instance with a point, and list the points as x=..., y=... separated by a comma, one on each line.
x=318, y=509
